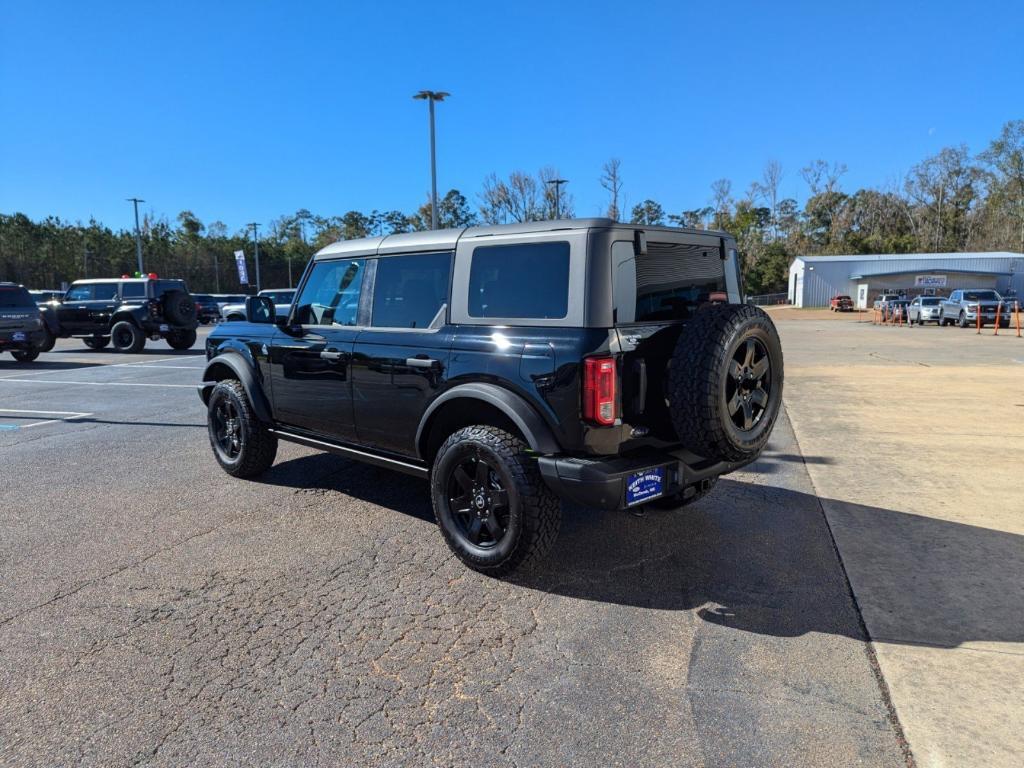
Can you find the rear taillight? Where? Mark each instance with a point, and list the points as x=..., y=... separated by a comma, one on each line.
x=599, y=390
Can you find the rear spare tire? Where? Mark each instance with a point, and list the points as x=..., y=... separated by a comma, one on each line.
x=179, y=308
x=725, y=382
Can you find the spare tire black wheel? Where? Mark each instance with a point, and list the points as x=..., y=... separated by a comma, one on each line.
x=179, y=308
x=725, y=382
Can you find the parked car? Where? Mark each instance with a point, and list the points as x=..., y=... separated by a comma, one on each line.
x=884, y=299
x=207, y=308
x=841, y=304
x=46, y=297
x=282, y=298
x=511, y=366
x=963, y=307
x=224, y=299
x=126, y=312
x=924, y=309
x=22, y=332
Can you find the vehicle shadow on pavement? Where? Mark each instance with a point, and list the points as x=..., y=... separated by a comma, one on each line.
x=751, y=557
x=163, y=351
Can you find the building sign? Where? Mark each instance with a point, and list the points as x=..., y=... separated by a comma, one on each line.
x=930, y=281
x=243, y=275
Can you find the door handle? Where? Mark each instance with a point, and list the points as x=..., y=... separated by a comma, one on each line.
x=421, y=362
x=328, y=354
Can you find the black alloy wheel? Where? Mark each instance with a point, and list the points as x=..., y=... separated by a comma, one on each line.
x=227, y=429
x=748, y=385
x=478, y=502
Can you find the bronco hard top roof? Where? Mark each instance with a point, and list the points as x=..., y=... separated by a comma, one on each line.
x=446, y=239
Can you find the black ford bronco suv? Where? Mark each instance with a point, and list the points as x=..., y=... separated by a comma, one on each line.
x=22, y=332
x=126, y=312
x=606, y=364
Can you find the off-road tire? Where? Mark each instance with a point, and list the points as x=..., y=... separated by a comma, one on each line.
x=97, y=342
x=49, y=340
x=697, y=384
x=181, y=339
x=258, y=447
x=680, y=500
x=535, y=512
x=127, y=337
x=179, y=308
x=25, y=355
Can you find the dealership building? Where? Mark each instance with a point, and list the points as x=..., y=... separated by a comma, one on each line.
x=813, y=280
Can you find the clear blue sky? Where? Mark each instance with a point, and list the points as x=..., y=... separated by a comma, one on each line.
x=246, y=111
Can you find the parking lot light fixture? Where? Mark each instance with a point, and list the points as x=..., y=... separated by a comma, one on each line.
x=558, y=193
x=431, y=97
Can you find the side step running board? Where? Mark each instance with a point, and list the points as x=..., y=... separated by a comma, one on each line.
x=409, y=468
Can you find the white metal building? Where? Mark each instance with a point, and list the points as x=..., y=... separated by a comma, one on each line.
x=813, y=280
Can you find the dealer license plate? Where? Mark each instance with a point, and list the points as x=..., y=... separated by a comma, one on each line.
x=18, y=336
x=165, y=328
x=644, y=486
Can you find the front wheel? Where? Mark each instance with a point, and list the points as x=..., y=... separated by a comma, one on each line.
x=241, y=443
x=962, y=320
x=493, y=508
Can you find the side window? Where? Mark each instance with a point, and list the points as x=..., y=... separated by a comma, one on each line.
x=410, y=291
x=80, y=293
x=133, y=290
x=530, y=280
x=105, y=291
x=331, y=294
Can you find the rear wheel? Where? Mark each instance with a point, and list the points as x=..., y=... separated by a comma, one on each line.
x=25, y=355
x=127, y=337
x=493, y=509
x=97, y=342
x=181, y=339
x=241, y=443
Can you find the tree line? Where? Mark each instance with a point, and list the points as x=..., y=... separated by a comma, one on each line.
x=951, y=201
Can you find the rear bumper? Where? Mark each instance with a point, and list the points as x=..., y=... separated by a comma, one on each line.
x=601, y=482
x=32, y=339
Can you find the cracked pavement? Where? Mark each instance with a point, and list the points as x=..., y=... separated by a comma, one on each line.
x=154, y=611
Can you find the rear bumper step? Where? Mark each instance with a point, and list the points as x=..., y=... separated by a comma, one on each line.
x=601, y=482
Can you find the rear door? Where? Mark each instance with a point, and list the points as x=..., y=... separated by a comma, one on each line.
x=401, y=359
x=311, y=359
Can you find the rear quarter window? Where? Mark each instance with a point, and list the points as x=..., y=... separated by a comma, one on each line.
x=527, y=280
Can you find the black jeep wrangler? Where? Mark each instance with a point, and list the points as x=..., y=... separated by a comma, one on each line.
x=125, y=312
x=22, y=332
x=606, y=364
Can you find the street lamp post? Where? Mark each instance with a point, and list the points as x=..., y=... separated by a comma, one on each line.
x=431, y=97
x=558, y=192
x=138, y=236
x=256, y=244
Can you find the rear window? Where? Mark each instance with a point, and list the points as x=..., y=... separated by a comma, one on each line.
x=670, y=282
x=529, y=280
x=15, y=296
x=929, y=302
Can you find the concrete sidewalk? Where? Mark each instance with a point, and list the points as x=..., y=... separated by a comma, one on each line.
x=912, y=441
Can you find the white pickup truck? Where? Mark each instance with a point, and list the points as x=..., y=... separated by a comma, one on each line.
x=962, y=307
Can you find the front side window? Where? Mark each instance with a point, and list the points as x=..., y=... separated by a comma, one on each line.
x=410, y=291
x=331, y=294
x=529, y=280
x=80, y=293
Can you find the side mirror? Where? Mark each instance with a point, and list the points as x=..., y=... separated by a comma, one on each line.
x=260, y=309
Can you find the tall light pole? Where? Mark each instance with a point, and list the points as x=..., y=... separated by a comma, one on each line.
x=256, y=243
x=138, y=236
x=431, y=97
x=558, y=192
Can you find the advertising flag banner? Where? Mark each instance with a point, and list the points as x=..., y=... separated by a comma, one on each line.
x=243, y=275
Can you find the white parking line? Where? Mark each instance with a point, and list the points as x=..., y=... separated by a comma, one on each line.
x=65, y=416
x=96, y=383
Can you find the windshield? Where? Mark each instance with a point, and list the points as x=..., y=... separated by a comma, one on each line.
x=15, y=296
x=981, y=296
x=929, y=302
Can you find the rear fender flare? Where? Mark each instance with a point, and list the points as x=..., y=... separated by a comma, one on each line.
x=232, y=365
x=538, y=434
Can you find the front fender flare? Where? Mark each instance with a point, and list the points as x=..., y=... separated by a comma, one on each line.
x=242, y=370
x=538, y=434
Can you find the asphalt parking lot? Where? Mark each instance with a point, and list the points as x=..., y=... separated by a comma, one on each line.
x=155, y=611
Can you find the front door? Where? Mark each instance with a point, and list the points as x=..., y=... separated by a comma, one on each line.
x=401, y=360
x=311, y=358
x=87, y=307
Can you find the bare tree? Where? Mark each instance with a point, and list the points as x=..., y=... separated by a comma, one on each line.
x=566, y=203
x=771, y=181
x=519, y=199
x=721, y=200
x=611, y=180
